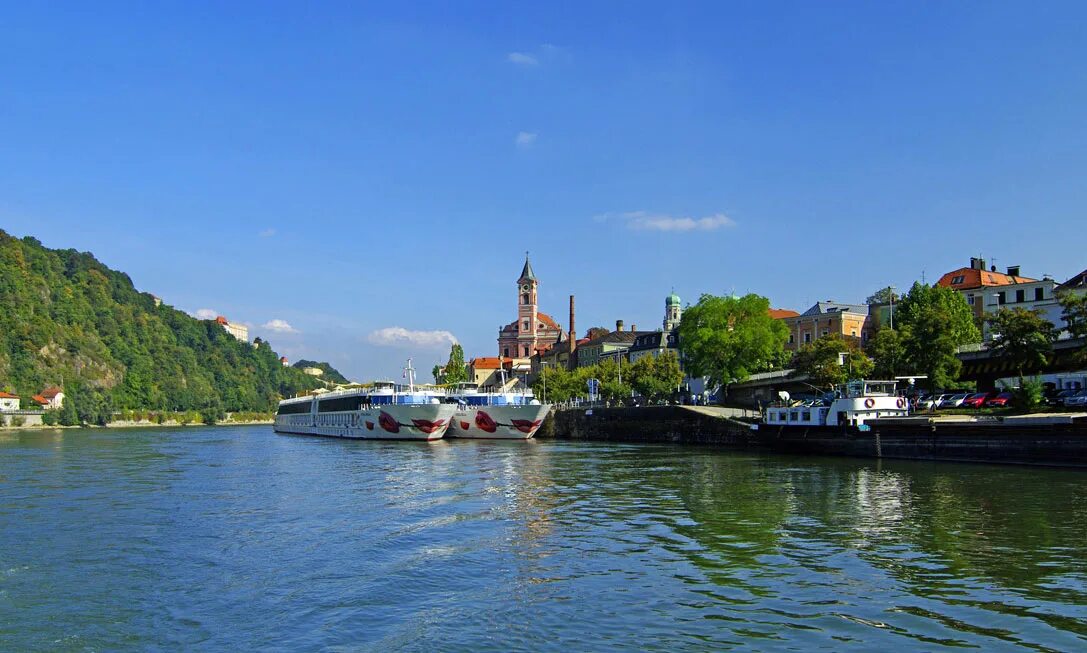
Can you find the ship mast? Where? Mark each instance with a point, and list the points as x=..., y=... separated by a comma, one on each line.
x=409, y=374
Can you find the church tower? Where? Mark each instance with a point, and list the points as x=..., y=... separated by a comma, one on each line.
x=527, y=308
x=672, y=311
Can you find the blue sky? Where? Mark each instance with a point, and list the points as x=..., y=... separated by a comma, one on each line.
x=347, y=168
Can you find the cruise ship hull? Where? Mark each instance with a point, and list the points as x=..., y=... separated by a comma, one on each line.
x=387, y=422
x=498, y=422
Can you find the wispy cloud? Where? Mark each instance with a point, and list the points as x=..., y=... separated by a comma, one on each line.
x=267, y=233
x=525, y=139
x=206, y=314
x=401, y=337
x=645, y=221
x=522, y=59
x=279, y=326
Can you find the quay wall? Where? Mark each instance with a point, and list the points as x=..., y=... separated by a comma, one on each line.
x=1063, y=445
x=660, y=424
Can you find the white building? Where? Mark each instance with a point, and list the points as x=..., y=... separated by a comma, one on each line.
x=1033, y=295
x=313, y=371
x=8, y=401
x=239, y=331
x=53, y=397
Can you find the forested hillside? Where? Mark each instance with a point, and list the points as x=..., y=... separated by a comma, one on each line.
x=330, y=373
x=67, y=319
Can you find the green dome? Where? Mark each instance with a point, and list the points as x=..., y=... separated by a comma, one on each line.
x=672, y=300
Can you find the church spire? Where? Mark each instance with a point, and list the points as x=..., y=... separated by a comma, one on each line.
x=526, y=272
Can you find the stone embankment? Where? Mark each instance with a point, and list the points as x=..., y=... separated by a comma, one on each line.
x=671, y=424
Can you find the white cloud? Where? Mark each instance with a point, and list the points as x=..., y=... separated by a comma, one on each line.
x=206, y=314
x=644, y=221
x=267, y=233
x=279, y=326
x=525, y=139
x=401, y=337
x=522, y=59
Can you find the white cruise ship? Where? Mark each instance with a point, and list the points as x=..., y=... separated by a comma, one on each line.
x=495, y=415
x=385, y=411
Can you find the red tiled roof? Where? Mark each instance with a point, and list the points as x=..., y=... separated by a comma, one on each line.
x=782, y=313
x=220, y=320
x=49, y=393
x=40, y=399
x=5, y=395
x=974, y=278
x=549, y=321
x=487, y=362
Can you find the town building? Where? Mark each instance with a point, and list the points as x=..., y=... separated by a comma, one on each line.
x=489, y=372
x=1077, y=284
x=9, y=401
x=283, y=361
x=532, y=329
x=610, y=345
x=239, y=331
x=851, y=321
x=1040, y=296
x=975, y=283
x=655, y=343
x=53, y=397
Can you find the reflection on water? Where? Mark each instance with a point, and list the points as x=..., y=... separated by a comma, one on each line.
x=218, y=538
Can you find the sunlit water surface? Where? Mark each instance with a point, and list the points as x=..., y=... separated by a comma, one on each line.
x=239, y=539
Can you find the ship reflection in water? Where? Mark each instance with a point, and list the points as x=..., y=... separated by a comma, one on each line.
x=218, y=538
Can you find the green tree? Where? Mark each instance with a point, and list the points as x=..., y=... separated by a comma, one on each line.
x=824, y=364
x=456, y=371
x=887, y=352
x=557, y=384
x=1022, y=337
x=935, y=322
x=656, y=378
x=1074, y=314
x=729, y=338
x=596, y=332
x=882, y=296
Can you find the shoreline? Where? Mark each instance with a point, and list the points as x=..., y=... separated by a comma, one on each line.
x=129, y=425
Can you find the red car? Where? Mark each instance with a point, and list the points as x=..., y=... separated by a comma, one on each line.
x=1002, y=399
x=976, y=400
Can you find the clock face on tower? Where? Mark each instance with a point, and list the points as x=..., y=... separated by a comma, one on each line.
x=526, y=287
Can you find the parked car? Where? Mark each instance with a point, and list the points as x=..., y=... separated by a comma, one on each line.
x=999, y=401
x=953, y=401
x=1078, y=400
x=928, y=402
x=976, y=400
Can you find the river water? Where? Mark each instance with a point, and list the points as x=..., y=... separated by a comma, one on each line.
x=234, y=538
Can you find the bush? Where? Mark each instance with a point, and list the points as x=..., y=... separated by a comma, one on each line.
x=50, y=418
x=17, y=420
x=1028, y=395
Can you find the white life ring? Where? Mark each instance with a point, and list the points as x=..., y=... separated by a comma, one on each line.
x=901, y=402
x=869, y=402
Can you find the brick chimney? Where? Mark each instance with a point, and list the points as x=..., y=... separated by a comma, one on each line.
x=618, y=325
x=573, y=332
x=633, y=328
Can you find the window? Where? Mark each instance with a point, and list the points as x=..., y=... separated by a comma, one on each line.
x=853, y=333
x=1020, y=296
x=957, y=280
x=792, y=339
x=1000, y=298
x=524, y=299
x=823, y=333
x=970, y=299
x=506, y=352
x=526, y=325
x=1039, y=294
x=807, y=336
x=526, y=350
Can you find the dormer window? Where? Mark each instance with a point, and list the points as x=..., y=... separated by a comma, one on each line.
x=957, y=280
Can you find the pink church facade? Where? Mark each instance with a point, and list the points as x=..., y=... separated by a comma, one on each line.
x=532, y=329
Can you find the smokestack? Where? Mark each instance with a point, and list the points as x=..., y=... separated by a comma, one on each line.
x=1013, y=270
x=633, y=327
x=618, y=325
x=573, y=333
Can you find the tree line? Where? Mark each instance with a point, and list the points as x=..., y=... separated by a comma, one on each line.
x=69, y=321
